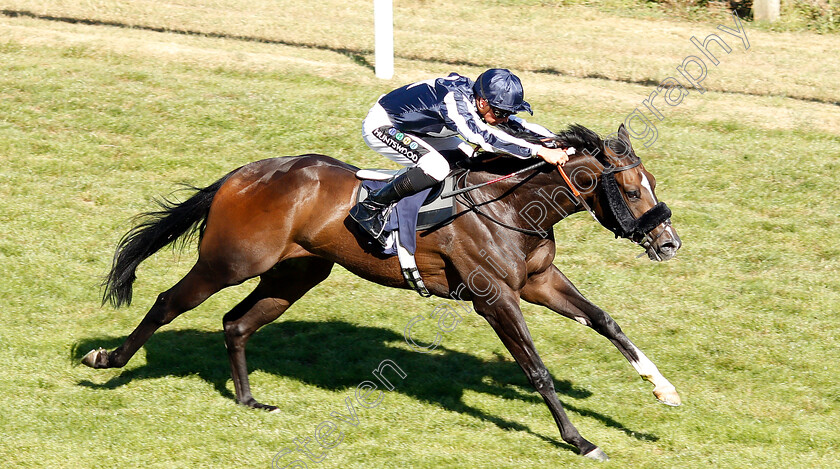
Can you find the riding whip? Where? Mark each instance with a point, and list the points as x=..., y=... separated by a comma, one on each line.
x=502, y=178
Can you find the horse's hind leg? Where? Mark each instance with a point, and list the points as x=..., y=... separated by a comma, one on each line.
x=277, y=290
x=554, y=291
x=198, y=285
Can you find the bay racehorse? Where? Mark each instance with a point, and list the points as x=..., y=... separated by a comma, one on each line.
x=285, y=220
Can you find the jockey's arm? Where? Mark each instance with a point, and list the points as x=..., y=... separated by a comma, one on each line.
x=549, y=151
x=460, y=116
x=532, y=127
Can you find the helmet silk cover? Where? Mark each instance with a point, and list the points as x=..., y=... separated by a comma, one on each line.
x=502, y=89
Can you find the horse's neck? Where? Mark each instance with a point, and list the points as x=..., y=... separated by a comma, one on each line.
x=537, y=200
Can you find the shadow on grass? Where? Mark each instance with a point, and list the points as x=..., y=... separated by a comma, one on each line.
x=337, y=356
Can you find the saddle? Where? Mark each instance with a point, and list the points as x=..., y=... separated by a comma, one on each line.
x=412, y=214
x=433, y=210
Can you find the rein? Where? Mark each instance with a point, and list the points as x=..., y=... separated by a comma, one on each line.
x=635, y=229
x=465, y=199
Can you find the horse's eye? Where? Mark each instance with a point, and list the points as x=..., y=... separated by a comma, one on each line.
x=633, y=194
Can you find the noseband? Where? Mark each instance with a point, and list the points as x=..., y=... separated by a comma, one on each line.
x=628, y=226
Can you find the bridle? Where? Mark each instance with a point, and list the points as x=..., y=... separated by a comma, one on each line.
x=637, y=230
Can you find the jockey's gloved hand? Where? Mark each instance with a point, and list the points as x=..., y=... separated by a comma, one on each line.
x=554, y=156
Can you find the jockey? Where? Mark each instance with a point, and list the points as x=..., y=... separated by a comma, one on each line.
x=418, y=126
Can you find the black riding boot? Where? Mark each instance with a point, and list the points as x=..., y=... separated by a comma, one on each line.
x=370, y=213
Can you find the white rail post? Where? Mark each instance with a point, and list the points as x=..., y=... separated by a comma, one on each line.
x=383, y=25
x=766, y=10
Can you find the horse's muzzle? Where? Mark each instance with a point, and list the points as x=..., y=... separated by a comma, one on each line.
x=662, y=243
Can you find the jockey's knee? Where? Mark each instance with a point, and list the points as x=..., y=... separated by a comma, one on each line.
x=435, y=165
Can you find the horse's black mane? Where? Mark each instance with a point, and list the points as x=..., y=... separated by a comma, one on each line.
x=580, y=137
x=576, y=136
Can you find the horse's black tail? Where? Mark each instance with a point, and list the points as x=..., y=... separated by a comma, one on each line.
x=156, y=230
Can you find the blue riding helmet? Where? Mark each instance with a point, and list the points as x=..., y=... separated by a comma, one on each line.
x=502, y=89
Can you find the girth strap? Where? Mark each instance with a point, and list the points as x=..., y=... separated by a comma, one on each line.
x=408, y=267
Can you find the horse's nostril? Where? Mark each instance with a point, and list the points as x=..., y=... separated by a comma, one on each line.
x=669, y=247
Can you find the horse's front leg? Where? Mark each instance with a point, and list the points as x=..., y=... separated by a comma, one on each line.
x=553, y=290
x=506, y=318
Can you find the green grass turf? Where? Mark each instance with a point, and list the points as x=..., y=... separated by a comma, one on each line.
x=743, y=322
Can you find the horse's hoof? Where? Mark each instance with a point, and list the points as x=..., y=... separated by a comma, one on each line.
x=268, y=408
x=668, y=396
x=252, y=403
x=96, y=358
x=597, y=454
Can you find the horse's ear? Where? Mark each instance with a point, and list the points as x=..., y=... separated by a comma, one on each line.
x=623, y=135
x=619, y=147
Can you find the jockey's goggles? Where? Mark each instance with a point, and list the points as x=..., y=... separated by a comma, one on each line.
x=501, y=113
